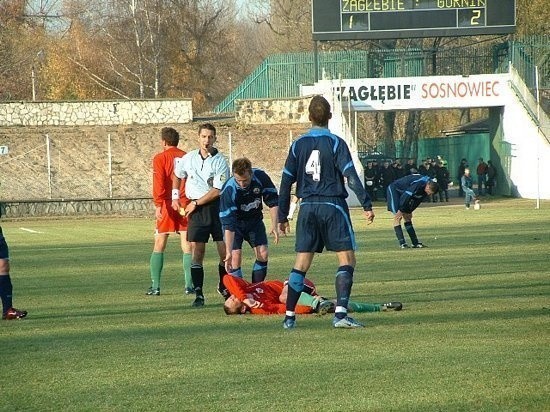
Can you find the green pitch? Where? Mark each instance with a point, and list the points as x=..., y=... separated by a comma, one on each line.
x=474, y=333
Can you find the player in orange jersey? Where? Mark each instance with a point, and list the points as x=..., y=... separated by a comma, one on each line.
x=269, y=297
x=168, y=220
x=264, y=298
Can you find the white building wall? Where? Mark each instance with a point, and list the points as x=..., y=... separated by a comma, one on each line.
x=530, y=163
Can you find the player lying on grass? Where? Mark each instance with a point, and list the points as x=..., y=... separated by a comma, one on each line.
x=269, y=297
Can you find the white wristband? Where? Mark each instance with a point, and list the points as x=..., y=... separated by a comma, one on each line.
x=175, y=194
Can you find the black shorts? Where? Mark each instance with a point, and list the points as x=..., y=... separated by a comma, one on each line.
x=205, y=222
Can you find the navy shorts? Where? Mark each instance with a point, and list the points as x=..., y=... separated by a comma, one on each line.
x=324, y=223
x=205, y=222
x=393, y=200
x=4, y=252
x=251, y=231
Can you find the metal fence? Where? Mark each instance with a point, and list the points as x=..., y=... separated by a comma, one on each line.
x=281, y=75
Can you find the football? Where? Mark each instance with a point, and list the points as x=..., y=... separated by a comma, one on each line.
x=477, y=205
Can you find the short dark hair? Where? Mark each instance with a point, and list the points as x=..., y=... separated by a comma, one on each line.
x=319, y=111
x=434, y=186
x=170, y=136
x=208, y=126
x=241, y=165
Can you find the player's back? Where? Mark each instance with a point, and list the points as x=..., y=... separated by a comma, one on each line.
x=317, y=162
x=163, y=167
x=413, y=183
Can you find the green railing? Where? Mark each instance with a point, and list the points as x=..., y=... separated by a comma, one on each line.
x=280, y=76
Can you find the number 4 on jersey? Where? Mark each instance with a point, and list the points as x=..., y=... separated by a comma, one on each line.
x=313, y=166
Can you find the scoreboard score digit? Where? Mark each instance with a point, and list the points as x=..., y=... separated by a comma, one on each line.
x=393, y=19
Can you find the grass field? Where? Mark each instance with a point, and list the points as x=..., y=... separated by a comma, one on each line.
x=474, y=334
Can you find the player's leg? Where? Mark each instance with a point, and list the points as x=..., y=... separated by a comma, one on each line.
x=393, y=206
x=237, y=252
x=216, y=231
x=308, y=241
x=407, y=217
x=236, y=261
x=257, y=238
x=6, y=287
x=295, y=286
x=259, y=270
x=156, y=263
x=186, y=261
x=197, y=271
x=222, y=290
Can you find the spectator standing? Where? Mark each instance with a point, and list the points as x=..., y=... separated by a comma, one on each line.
x=386, y=177
x=318, y=162
x=491, y=177
x=481, y=172
x=168, y=220
x=371, y=181
x=398, y=170
x=443, y=176
x=205, y=170
x=411, y=167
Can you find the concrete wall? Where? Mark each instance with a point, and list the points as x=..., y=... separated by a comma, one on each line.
x=273, y=111
x=83, y=207
x=96, y=113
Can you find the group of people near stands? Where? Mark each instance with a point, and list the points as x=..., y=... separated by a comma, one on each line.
x=379, y=175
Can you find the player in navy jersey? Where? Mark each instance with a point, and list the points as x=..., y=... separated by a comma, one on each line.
x=241, y=215
x=318, y=162
x=404, y=196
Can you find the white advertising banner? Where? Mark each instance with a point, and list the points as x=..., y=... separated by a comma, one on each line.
x=411, y=93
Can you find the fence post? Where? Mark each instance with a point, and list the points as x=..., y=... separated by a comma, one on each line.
x=230, y=144
x=49, y=164
x=110, y=165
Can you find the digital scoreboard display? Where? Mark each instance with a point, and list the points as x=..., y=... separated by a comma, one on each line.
x=396, y=19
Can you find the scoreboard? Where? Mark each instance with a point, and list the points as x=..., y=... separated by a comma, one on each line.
x=395, y=19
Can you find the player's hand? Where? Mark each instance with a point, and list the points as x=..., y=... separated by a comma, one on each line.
x=227, y=263
x=284, y=228
x=397, y=218
x=176, y=205
x=275, y=234
x=369, y=215
x=158, y=212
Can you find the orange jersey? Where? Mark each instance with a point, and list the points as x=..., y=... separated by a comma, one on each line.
x=267, y=293
x=163, y=168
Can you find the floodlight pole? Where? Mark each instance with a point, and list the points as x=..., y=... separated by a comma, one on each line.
x=538, y=137
x=315, y=62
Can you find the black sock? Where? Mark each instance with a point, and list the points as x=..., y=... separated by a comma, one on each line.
x=6, y=289
x=221, y=272
x=399, y=233
x=412, y=234
x=197, y=274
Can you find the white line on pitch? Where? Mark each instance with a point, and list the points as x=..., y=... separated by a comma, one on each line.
x=29, y=230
